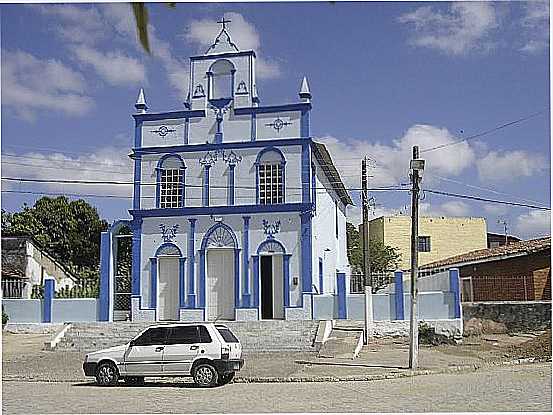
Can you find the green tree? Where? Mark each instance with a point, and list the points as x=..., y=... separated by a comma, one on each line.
x=382, y=257
x=67, y=230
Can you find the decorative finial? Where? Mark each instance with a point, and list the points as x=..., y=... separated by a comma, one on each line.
x=305, y=93
x=140, y=105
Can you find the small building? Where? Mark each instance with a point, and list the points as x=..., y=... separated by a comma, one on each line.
x=25, y=264
x=497, y=239
x=439, y=237
x=519, y=271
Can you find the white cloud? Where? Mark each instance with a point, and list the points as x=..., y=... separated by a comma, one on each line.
x=533, y=224
x=392, y=161
x=507, y=166
x=104, y=164
x=452, y=208
x=115, y=67
x=535, y=26
x=463, y=28
x=497, y=210
x=244, y=35
x=30, y=84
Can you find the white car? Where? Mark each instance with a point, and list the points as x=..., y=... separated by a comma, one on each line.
x=208, y=352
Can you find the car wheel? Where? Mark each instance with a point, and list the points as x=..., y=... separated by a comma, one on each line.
x=107, y=374
x=224, y=379
x=134, y=380
x=205, y=375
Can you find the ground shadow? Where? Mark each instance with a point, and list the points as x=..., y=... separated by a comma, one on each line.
x=185, y=385
x=305, y=362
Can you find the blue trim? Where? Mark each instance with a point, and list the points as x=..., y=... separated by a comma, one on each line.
x=218, y=225
x=165, y=245
x=201, y=288
x=182, y=293
x=246, y=295
x=136, y=255
x=305, y=172
x=314, y=187
x=454, y=288
x=205, y=194
x=257, y=184
x=47, y=303
x=159, y=168
x=137, y=132
x=190, y=148
x=282, y=164
x=153, y=283
x=286, y=265
x=216, y=56
x=222, y=210
x=268, y=150
x=105, y=262
x=305, y=123
x=230, y=187
x=172, y=115
x=137, y=181
x=186, y=131
x=398, y=294
x=236, y=277
x=270, y=241
x=306, y=253
x=341, y=288
x=302, y=106
x=253, y=131
x=191, y=297
x=255, y=293
x=321, y=275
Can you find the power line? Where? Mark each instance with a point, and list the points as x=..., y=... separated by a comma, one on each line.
x=483, y=133
x=504, y=202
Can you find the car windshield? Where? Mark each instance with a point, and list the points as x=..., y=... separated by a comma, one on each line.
x=227, y=335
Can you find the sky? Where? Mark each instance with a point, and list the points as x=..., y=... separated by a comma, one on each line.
x=384, y=76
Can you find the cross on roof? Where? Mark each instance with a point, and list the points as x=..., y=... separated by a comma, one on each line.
x=223, y=22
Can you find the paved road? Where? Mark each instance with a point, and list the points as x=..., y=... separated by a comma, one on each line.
x=515, y=388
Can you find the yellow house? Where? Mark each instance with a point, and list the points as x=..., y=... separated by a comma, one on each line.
x=439, y=237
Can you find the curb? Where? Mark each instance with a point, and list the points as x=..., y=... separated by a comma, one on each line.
x=314, y=379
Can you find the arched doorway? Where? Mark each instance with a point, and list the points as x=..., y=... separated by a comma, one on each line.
x=220, y=253
x=169, y=276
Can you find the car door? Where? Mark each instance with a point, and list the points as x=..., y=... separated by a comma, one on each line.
x=145, y=355
x=183, y=345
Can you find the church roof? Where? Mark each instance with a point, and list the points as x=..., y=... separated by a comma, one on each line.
x=325, y=161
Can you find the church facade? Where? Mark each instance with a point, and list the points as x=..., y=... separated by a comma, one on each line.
x=238, y=214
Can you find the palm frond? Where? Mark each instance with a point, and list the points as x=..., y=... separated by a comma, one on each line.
x=141, y=20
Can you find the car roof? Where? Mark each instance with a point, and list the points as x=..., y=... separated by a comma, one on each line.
x=177, y=324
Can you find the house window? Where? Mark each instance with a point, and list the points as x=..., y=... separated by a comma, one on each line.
x=270, y=176
x=170, y=179
x=424, y=244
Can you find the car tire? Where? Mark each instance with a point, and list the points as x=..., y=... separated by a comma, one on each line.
x=205, y=375
x=107, y=374
x=224, y=379
x=134, y=380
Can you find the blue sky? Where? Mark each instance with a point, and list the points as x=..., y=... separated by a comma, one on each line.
x=384, y=76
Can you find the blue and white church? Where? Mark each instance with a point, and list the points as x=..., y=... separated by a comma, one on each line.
x=238, y=214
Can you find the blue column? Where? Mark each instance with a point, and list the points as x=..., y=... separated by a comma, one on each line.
x=236, y=277
x=105, y=271
x=306, y=253
x=201, y=294
x=286, y=264
x=230, y=187
x=255, y=280
x=136, y=256
x=205, y=196
x=305, y=172
x=454, y=288
x=341, y=288
x=182, y=296
x=191, y=295
x=398, y=295
x=153, y=283
x=47, y=303
x=246, y=295
x=137, y=180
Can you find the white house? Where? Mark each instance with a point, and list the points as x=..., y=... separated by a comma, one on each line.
x=238, y=213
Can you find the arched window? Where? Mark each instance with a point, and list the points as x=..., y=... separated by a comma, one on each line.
x=170, y=182
x=270, y=176
x=222, y=73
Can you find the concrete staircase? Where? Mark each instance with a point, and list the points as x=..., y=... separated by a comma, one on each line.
x=344, y=342
x=255, y=336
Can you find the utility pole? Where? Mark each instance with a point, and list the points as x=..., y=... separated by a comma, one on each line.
x=367, y=283
x=416, y=169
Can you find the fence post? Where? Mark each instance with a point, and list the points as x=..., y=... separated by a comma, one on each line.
x=47, y=302
x=454, y=288
x=341, y=288
x=398, y=293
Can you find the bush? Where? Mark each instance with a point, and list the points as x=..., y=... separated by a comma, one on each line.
x=5, y=317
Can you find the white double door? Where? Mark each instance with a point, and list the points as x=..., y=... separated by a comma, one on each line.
x=168, y=288
x=220, y=284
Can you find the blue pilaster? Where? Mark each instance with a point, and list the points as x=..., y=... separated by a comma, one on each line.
x=137, y=181
x=153, y=283
x=47, y=303
x=246, y=295
x=105, y=268
x=455, y=289
x=305, y=172
x=236, y=277
x=205, y=196
x=341, y=288
x=136, y=255
x=201, y=291
x=191, y=296
x=230, y=188
x=182, y=294
x=286, y=263
x=255, y=293
x=398, y=295
x=306, y=253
